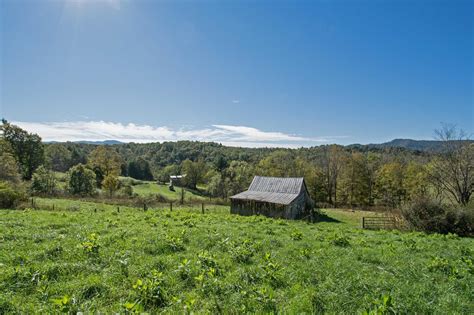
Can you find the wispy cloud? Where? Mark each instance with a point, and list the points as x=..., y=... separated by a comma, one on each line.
x=226, y=134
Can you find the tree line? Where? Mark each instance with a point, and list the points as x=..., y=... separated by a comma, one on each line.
x=336, y=176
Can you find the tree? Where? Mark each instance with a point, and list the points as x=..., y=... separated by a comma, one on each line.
x=220, y=163
x=453, y=168
x=139, y=169
x=280, y=163
x=26, y=148
x=105, y=161
x=333, y=162
x=8, y=166
x=81, y=180
x=8, y=195
x=165, y=173
x=416, y=181
x=355, y=180
x=58, y=157
x=43, y=181
x=111, y=184
x=216, y=186
x=194, y=172
x=390, y=184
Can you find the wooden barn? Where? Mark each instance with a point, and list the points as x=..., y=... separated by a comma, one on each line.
x=274, y=197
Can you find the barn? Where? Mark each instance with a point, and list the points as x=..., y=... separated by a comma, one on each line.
x=275, y=197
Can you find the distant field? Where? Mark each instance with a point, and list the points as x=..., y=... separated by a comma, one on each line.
x=152, y=188
x=76, y=259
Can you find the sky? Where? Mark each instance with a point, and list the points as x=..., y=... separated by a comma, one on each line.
x=244, y=73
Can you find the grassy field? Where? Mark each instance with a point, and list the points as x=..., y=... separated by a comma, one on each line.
x=77, y=259
x=152, y=188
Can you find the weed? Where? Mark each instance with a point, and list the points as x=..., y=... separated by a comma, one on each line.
x=381, y=306
x=91, y=245
x=339, y=240
x=150, y=291
x=296, y=235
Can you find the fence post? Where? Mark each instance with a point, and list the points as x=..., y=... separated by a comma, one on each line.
x=144, y=207
x=118, y=209
x=363, y=222
x=202, y=207
x=171, y=206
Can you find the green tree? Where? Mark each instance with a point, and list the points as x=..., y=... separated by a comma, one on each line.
x=216, y=186
x=220, y=163
x=8, y=166
x=280, y=163
x=105, y=161
x=43, y=181
x=26, y=148
x=355, y=181
x=391, y=184
x=81, y=180
x=165, y=173
x=139, y=169
x=111, y=184
x=194, y=172
x=58, y=157
x=9, y=195
x=416, y=181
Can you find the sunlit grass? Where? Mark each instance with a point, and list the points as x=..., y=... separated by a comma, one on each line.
x=91, y=257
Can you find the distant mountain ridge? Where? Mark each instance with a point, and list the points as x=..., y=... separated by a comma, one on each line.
x=410, y=144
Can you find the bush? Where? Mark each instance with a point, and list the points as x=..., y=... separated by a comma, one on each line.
x=43, y=182
x=8, y=196
x=429, y=216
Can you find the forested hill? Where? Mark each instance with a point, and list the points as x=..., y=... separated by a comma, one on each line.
x=417, y=145
x=410, y=144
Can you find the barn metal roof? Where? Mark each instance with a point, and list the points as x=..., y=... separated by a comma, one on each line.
x=272, y=189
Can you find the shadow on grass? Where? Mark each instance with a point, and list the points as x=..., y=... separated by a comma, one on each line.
x=323, y=217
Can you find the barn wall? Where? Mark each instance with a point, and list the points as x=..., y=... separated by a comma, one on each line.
x=296, y=210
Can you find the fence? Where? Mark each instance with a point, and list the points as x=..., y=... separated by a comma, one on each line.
x=377, y=223
x=77, y=205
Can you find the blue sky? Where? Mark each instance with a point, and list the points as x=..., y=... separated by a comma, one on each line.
x=252, y=73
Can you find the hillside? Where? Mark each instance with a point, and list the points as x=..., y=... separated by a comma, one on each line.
x=416, y=145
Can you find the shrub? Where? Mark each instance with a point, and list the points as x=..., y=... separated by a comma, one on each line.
x=8, y=195
x=126, y=191
x=428, y=216
x=111, y=184
x=43, y=182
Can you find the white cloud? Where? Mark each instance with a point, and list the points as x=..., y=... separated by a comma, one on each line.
x=228, y=135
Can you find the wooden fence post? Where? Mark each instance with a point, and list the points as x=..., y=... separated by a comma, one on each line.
x=171, y=206
x=202, y=207
x=118, y=209
x=363, y=222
